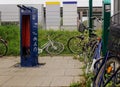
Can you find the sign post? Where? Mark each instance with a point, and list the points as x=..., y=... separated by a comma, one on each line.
x=106, y=24
x=28, y=36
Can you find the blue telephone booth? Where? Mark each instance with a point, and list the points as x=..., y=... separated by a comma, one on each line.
x=28, y=36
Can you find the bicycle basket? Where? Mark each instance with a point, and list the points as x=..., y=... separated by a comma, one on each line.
x=81, y=27
x=114, y=34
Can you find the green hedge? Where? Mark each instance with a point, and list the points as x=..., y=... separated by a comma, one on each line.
x=11, y=33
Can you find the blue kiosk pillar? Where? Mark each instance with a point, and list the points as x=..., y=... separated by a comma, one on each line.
x=28, y=36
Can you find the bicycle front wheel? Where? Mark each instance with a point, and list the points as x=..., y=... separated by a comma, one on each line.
x=3, y=48
x=106, y=72
x=75, y=45
x=55, y=48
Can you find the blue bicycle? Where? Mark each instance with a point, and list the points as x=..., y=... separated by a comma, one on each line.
x=95, y=54
x=108, y=70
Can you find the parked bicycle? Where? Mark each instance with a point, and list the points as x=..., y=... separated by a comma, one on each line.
x=96, y=56
x=52, y=47
x=96, y=53
x=81, y=43
x=3, y=47
x=108, y=70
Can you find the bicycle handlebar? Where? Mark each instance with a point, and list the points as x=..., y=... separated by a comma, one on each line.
x=23, y=7
x=100, y=20
x=20, y=7
x=26, y=7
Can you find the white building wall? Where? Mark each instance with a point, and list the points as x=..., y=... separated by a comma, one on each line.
x=70, y=14
x=10, y=13
x=53, y=16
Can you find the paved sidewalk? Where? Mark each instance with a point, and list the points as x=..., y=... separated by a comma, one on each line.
x=58, y=71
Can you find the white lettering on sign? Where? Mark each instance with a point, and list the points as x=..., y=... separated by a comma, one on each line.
x=34, y=16
x=35, y=49
x=107, y=8
x=35, y=39
x=36, y=24
x=34, y=33
x=35, y=44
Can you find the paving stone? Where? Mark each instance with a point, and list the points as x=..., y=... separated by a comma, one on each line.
x=46, y=81
x=61, y=81
x=4, y=79
x=6, y=72
x=35, y=81
x=7, y=64
x=17, y=81
x=69, y=66
x=73, y=72
x=37, y=72
x=56, y=72
x=79, y=65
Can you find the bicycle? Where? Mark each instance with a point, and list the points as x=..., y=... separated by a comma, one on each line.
x=96, y=53
x=85, y=48
x=77, y=44
x=52, y=47
x=96, y=56
x=108, y=74
x=3, y=47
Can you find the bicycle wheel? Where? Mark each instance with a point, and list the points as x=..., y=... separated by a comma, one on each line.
x=90, y=51
x=55, y=48
x=92, y=46
x=75, y=44
x=97, y=65
x=107, y=71
x=3, y=48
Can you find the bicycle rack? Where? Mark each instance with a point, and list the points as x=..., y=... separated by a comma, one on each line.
x=28, y=36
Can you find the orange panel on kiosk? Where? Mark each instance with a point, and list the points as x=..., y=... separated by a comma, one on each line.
x=26, y=31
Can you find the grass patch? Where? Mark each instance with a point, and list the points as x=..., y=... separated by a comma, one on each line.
x=11, y=33
x=77, y=84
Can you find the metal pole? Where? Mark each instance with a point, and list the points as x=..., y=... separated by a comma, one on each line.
x=106, y=24
x=90, y=15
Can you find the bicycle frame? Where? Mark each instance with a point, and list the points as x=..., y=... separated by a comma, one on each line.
x=4, y=42
x=50, y=42
x=96, y=54
x=103, y=62
x=110, y=78
x=44, y=46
